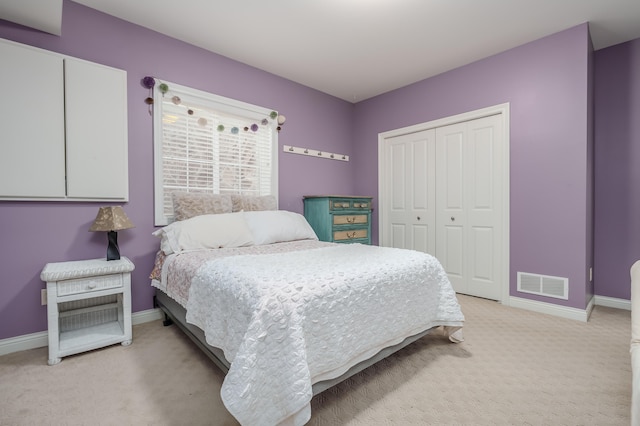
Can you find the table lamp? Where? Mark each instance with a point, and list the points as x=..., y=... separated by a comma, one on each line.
x=110, y=220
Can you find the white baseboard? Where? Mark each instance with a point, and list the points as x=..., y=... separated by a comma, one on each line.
x=612, y=302
x=146, y=316
x=24, y=342
x=551, y=309
x=38, y=340
x=571, y=313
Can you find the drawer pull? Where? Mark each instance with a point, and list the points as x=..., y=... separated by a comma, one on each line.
x=352, y=235
x=91, y=285
x=351, y=219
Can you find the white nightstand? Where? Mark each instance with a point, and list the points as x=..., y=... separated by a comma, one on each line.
x=88, y=305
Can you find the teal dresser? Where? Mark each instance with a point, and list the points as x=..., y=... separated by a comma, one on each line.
x=340, y=219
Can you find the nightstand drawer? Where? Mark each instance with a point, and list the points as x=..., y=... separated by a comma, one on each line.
x=355, y=234
x=345, y=219
x=84, y=285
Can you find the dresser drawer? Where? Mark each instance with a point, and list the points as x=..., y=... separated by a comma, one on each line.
x=361, y=204
x=85, y=285
x=355, y=234
x=350, y=219
x=349, y=204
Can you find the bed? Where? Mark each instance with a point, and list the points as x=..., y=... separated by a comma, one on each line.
x=286, y=316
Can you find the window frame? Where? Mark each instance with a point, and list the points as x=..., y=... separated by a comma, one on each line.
x=253, y=113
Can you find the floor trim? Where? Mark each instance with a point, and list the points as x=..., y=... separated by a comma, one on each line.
x=612, y=302
x=40, y=339
x=551, y=309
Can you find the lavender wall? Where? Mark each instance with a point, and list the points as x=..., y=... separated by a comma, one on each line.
x=546, y=84
x=617, y=157
x=35, y=233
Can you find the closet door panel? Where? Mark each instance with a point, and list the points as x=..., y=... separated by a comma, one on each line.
x=469, y=202
x=410, y=160
x=452, y=250
x=482, y=149
x=484, y=207
x=482, y=259
x=398, y=235
x=399, y=196
x=451, y=231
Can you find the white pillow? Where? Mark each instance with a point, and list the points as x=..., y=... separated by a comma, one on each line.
x=210, y=231
x=275, y=226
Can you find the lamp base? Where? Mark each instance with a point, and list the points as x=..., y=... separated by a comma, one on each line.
x=113, y=252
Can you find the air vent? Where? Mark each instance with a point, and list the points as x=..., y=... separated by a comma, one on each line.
x=543, y=285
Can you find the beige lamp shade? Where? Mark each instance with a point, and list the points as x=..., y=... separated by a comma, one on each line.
x=112, y=218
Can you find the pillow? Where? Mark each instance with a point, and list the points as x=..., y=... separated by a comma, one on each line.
x=210, y=231
x=250, y=203
x=190, y=204
x=275, y=226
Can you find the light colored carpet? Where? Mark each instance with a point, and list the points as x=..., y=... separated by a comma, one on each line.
x=515, y=368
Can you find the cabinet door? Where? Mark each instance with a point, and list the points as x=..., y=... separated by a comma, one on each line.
x=32, y=123
x=96, y=119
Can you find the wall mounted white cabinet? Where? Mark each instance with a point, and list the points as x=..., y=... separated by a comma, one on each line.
x=64, y=127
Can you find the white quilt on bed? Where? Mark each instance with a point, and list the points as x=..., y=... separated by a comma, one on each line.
x=285, y=321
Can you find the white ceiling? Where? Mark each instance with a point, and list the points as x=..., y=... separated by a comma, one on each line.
x=43, y=15
x=357, y=49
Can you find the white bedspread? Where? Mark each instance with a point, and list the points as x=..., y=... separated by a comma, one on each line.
x=288, y=320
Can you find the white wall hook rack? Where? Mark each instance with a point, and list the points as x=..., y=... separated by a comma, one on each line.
x=314, y=153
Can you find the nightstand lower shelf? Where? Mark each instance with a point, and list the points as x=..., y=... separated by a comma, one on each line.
x=75, y=341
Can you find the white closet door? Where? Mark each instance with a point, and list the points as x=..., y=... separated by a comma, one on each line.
x=97, y=135
x=32, y=123
x=469, y=210
x=410, y=191
x=451, y=217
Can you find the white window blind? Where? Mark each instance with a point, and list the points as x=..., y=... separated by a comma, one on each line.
x=211, y=144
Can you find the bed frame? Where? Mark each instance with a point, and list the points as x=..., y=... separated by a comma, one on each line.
x=176, y=314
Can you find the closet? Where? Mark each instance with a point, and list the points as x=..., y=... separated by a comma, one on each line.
x=444, y=191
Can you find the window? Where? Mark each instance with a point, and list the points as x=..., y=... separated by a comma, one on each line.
x=208, y=143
